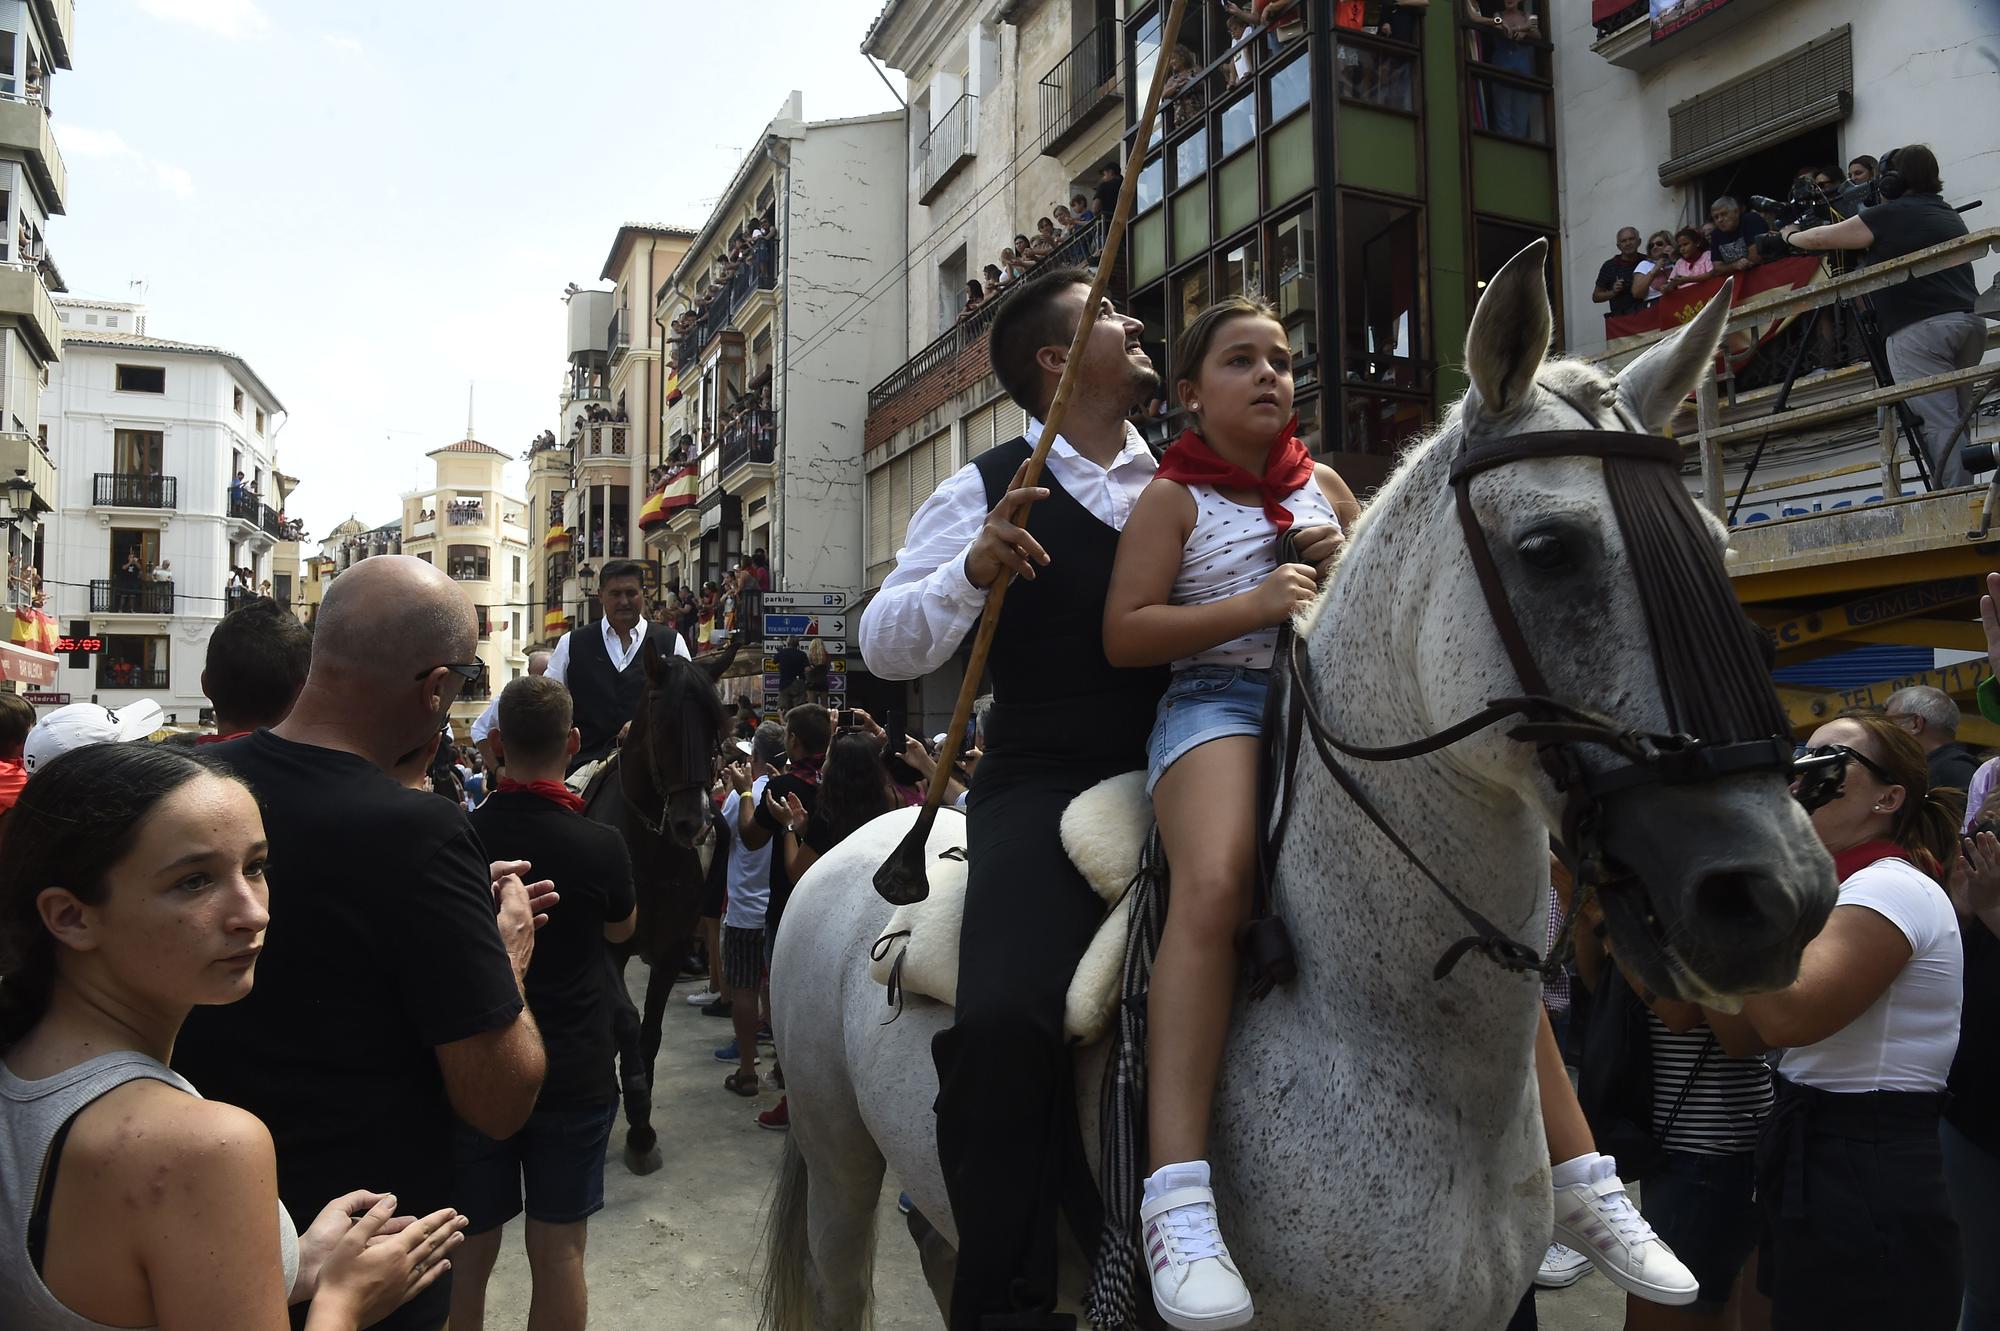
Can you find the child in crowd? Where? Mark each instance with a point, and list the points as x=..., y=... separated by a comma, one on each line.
x=1198, y=583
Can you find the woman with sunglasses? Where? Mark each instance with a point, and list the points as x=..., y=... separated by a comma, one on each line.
x=1650, y=285
x=1858, y=1231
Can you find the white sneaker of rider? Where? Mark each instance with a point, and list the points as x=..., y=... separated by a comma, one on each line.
x=1196, y=1286
x=1596, y=1218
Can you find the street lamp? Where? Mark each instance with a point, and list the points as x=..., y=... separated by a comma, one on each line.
x=18, y=502
x=586, y=578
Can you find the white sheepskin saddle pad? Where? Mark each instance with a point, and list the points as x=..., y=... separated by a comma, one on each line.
x=1104, y=830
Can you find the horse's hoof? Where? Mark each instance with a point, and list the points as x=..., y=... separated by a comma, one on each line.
x=643, y=1163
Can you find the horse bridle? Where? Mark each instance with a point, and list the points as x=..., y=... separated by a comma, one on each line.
x=1559, y=730
x=665, y=793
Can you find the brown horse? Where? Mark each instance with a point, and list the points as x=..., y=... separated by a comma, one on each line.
x=655, y=791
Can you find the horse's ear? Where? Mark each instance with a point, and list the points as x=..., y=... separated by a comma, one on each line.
x=655, y=661
x=716, y=664
x=1653, y=386
x=1510, y=333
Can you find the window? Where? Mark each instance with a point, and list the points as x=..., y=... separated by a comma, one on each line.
x=1290, y=88
x=140, y=378
x=1147, y=192
x=90, y=319
x=517, y=568
x=138, y=452
x=128, y=543
x=1495, y=241
x=132, y=661
x=236, y=397
x=1239, y=124
x=1382, y=340
x=1191, y=158
x=1239, y=274
x=1190, y=296
x=1377, y=76
x=260, y=420
x=951, y=289
x=1295, y=282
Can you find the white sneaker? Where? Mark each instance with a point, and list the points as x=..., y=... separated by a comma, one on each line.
x=704, y=998
x=1599, y=1220
x=1561, y=1267
x=1195, y=1285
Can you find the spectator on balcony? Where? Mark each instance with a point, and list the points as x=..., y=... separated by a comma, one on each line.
x=1239, y=68
x=1024, y=254
x=1012, y=269
x=236, y=490
x=975, y=296
x=1182, y=92
x=1109, y=181
x=1065, y=221
x=760, y=569
x=1045, y=240
x=1861, y=170
x=1079, y=208
x=996, y=281
x=1730, y=236
x=164, y=571
x=1615, y=274
x=1651, y=284
x=1695, y=262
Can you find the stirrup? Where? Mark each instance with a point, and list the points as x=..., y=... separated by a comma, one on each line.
x=1268, y=956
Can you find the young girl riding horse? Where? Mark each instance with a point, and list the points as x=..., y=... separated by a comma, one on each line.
x=1198, y=583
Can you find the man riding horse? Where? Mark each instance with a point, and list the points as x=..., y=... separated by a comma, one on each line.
x=602, y=663
x=1008, y=1138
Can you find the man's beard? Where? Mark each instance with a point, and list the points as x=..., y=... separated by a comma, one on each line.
x=1145, y=386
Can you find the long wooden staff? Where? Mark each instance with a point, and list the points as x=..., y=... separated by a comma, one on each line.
x=902, y=877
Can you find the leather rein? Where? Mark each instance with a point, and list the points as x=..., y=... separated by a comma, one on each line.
x=1558, y=729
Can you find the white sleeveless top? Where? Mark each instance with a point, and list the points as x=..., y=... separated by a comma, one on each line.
x=1232, y=548
x=31, y=1113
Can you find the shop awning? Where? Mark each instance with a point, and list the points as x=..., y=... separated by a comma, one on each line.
x=26, y=666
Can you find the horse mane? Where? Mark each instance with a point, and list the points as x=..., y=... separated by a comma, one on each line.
x=687, y=692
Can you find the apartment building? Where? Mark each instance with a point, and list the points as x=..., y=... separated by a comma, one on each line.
x=167, y=455
x=1367, y=182
x=35, y=41
x=468, y=525
x=788, y=303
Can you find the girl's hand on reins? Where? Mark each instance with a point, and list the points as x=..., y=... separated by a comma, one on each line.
x=1318, y=545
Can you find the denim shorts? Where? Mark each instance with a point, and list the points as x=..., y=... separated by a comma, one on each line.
x=557, y=1160
x=1704, y=1207
x=1204, y=703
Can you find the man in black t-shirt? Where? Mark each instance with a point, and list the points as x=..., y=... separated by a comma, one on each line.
x=1729, y=239
x=388, y=1002
x=1927, y=321
x=1614, y=275
x=1109, y=181
x=557, y=1160
x=792, y=663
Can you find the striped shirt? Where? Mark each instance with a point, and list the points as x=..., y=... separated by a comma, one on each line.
x=1725, y=1103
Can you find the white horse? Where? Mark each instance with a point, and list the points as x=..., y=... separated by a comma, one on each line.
x=1377, y=1142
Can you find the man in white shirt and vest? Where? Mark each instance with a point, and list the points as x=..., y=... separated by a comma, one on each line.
x=601, y=663
x=1062, y=720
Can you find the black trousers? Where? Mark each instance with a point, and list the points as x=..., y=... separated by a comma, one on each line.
x=1858, y=1231
x=1008, y=1137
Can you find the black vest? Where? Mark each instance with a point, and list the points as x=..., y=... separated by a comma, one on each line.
x=605, y=697
x=1052, y=687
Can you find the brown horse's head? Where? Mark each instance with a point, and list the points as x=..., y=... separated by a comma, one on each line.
x=671, y=750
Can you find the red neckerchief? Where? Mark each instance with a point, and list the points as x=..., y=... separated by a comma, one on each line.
x=1854, y=859
x=1287, y=466
x=554, y=791
x=217, y=739
x=807, y=769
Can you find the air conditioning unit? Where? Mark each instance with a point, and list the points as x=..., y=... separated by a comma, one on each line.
x=1295, y=292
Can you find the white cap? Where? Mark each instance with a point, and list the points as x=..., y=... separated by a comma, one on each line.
x=85, y=723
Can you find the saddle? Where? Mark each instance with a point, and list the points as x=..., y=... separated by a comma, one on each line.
x=1104, y=830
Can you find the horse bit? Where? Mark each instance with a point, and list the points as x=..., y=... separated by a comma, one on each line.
x=1557, y=729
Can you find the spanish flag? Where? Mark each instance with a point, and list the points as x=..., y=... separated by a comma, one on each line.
x=555, y=621
x=654, y=510
x=673, y=384
x=557, y=539
x=680, y=488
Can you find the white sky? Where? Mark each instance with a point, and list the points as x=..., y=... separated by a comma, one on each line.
x=375, y=202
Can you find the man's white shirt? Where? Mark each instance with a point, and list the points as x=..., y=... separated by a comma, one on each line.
x=927, y=603
x=621, y=656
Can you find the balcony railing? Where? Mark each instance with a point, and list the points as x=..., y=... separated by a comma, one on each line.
x=125, y=675
x=605, y=439
x=758, y=273
x=618, y=334
x=243, y=506
x=948, y=146
x=1082, y=84
x=468, y=570
x=753, y=439
x=1080, y=247
x=119, y=490
x=115, y=596
x=465, y=517
x=687, y=349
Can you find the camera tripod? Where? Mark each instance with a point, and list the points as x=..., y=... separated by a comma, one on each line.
x=1873, y=342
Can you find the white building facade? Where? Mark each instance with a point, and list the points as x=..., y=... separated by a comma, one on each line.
x=150, y=436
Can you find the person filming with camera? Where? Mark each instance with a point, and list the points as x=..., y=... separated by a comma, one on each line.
x=1927, y=322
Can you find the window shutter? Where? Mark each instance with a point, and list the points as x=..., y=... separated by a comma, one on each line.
x=882, y=538
x=1800, y=90
x=1009, y=421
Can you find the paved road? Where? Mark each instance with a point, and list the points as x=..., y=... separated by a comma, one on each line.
x=677, y=1249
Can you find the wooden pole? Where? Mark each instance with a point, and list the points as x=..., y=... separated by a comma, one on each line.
x=902, y=877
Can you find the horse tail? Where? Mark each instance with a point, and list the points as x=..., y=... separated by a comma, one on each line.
x=787, y=1287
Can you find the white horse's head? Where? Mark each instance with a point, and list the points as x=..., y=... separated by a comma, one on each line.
x=1730, y=881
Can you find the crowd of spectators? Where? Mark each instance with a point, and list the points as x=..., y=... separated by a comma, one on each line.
x=1634, y=278
x=1063, y=223
x=750, y=245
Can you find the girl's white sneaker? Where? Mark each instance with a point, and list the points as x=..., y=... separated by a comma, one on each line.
x=1196, y=1286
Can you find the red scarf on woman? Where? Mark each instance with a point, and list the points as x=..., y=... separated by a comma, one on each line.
x=548, y=790
x=1854, y=859
x=1287, y=466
